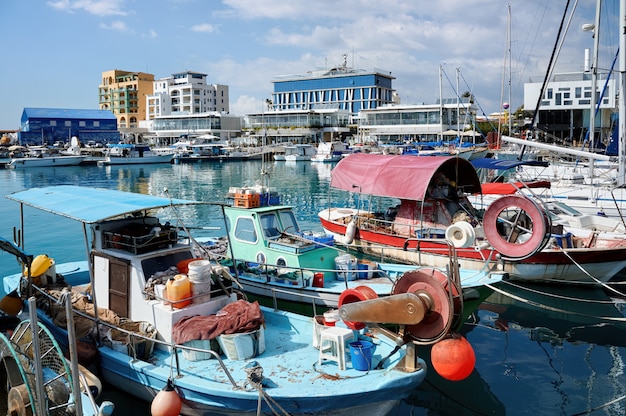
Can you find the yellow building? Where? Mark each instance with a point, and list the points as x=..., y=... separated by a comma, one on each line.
x=124, y=93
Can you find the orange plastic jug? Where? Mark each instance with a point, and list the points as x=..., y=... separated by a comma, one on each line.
x=179, y=291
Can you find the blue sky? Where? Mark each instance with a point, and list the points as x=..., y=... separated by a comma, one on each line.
x=55, y=51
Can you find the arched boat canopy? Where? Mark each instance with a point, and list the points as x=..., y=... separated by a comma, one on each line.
x=403, y=177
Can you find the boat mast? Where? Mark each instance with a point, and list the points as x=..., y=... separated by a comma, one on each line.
x=622, y=91
x=594, y=78
x=441, y=100
x=508, y=35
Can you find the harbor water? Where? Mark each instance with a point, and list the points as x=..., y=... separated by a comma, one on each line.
x=540, y=349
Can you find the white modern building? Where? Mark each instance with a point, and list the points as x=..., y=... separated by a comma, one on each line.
x=416, y=122
x=565, y=106
x=186, y=93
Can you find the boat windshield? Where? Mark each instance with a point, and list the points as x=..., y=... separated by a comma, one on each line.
x=270, y=225
x=288, y=221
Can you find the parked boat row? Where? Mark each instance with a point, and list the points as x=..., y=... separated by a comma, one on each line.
x=206, y=342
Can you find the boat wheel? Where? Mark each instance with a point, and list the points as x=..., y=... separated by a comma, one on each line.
x=446, y=306
x=516, y=226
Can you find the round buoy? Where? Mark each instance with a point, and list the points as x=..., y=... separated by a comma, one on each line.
x=11, y=304
x=350, y=231
x=166, y=402
x=453, y=358
x=357, y=294
x=461, y=234
x=507, y=242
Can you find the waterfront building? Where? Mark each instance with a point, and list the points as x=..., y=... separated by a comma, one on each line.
x=298, y=126
x=346, y=88
x=124, y=94
x=166, y=130
x=40, y=126
x=186, y=93
x=416, y=122
x=565, y=107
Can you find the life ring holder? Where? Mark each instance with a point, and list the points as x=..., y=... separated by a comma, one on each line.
x=513, y=250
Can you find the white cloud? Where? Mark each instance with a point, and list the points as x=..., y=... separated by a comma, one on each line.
x=246, y=105
x=117, y=25
x=95, y=7
x=204, y=27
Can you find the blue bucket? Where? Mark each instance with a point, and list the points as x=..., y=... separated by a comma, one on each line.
x=361, y=355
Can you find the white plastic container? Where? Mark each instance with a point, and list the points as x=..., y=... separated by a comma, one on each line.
x=204, y=344
x=346, y=266
x=243, y=346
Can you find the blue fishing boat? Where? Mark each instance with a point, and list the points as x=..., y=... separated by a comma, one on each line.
x=195, y=339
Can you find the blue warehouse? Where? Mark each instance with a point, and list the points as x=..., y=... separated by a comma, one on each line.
x=48, y=125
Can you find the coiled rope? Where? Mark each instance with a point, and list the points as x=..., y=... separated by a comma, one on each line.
x=255, y=380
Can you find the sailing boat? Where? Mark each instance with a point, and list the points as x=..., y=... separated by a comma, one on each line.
x=595, y=187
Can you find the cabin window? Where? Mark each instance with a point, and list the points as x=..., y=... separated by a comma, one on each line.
x=244, y=230
x=288, y=220
x=269, y=223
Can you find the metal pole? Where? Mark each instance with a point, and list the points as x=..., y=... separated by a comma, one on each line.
x=71, y=338
x=34, y=328
x=622, y=99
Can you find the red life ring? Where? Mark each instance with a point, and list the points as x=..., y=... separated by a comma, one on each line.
x=507, y=245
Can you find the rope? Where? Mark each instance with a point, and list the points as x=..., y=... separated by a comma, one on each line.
x=596, y=280
x=255, y=379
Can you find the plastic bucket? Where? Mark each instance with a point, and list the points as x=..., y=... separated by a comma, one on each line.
x=361, y=355
x=199, y=271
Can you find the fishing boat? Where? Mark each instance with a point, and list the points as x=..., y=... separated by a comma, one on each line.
x=41, y=156
x=133, y=154
x=328, y=152
x=296, y=153
x=513, y=235
x=36, y=377
x=204, y=348
x=276, y=259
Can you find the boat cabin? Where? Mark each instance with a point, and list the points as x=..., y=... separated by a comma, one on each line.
x=270, y=235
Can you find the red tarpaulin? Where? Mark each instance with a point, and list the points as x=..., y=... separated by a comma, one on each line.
x=404, y=177
x=503, y=188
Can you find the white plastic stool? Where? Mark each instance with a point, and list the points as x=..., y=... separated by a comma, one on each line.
x=333, y=345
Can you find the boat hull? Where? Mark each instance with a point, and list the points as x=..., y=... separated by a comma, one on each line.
x=570, y=265
x=50, y=161
x=205, y=389
x=137, y=160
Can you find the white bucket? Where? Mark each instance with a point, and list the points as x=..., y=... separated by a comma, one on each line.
x=201, y=291
x=199, y=271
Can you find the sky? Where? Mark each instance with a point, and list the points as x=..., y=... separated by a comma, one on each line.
x=54, y=52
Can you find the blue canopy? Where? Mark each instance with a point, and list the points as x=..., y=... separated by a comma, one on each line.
x=91, y=205
x=488, y=163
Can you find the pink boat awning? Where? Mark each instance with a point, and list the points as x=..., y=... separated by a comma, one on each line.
x=404, y=177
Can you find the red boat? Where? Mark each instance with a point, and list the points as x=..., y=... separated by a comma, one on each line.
x=414, y=197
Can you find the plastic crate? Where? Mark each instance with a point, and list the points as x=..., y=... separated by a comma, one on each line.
x=247, y=200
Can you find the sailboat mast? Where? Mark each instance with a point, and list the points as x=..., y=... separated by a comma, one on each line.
x=622, y=91
x=510, y=73
x=594, y=77
x=441, y=99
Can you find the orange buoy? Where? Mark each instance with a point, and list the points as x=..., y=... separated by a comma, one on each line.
x=453, y=358
x=167, y=402
x=183, y=265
